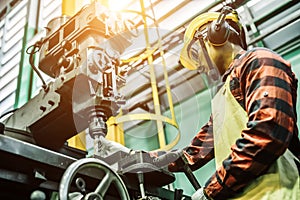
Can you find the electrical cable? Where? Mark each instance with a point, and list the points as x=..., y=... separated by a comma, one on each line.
x=31, y=50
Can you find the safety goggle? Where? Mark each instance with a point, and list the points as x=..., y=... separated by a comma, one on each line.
x=195, y=49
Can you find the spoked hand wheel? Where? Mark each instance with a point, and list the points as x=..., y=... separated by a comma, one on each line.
x=110, y=177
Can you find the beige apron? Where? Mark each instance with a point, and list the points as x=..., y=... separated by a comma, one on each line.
x=281, y=182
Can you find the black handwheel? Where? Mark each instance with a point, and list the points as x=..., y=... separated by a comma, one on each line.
x=110, y=177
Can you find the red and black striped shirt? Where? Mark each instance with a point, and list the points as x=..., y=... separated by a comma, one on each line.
x=265, y=86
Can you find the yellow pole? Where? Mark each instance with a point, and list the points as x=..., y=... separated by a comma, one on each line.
x=68, y=7
x=159, y=124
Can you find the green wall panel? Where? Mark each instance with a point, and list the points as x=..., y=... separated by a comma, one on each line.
x=294, y=58
x=142, y=137
x=23, y=92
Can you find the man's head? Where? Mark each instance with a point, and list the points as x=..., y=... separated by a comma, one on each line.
x=220, y=34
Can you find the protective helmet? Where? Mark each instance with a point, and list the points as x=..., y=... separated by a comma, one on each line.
x=186, y=57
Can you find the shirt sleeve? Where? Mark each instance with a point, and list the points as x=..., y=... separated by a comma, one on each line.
x=200, y=151
x=267, y=85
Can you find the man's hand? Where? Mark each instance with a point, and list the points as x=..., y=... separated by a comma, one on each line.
x=199, y=195
x=167, y=158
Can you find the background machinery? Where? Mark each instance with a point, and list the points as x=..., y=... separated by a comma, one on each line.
x=82, y=55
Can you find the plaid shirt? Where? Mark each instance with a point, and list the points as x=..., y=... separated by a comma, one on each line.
x=264, y=85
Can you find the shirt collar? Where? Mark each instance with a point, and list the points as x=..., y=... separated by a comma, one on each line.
x=232, y=66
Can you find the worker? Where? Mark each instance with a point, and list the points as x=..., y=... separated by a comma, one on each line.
x=252, y=132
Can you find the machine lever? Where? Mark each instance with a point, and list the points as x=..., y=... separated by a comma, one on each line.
x=180, y=160
x=167, y=158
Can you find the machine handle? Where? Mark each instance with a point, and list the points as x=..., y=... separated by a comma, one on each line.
x=180, y=160
x=167, y=158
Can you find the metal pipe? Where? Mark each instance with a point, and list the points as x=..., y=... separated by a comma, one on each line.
x=181, y=25
x=161, y=92
x=172, y=11
x=293, y=17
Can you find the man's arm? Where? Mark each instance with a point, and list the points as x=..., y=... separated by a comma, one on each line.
x=200, y=151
